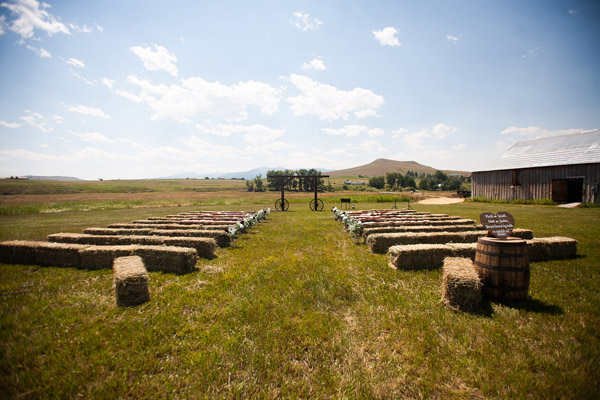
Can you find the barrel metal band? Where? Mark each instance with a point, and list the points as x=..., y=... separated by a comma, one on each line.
x=507, y=269
x=501, y=255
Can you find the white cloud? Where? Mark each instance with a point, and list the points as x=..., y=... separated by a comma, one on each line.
x=398, y=133
x=109, y=83
x=454, y=39
x=330, y=103
x=36, y=120
x=250, y=133
x=75, y=62
x=353, y=131
x=11, y=125
x=82, y=29
x=92, y=137
x=197, y=96
x=100, y=28
x=316, y=64
x=157, y=59
x=30, y=15
x=304, y=22
x=95, y=112
x=58, y=119
x=373, y=147
x=534, y=132
x=201, y=147
x=2, y=24
x=415, y=140
x=83, y=78
x=458, y=147
x=442, y=131
x=387, y=36
x=43, y=53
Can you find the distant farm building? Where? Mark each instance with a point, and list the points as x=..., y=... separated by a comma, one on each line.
x=563, y=168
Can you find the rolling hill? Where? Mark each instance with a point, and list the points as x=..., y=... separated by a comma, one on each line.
x=381, y=166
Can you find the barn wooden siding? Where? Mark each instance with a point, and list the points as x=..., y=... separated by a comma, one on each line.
x=535, y=183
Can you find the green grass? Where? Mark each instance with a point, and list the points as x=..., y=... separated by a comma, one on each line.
x=298, y=309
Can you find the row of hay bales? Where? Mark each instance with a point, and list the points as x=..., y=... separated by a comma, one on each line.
x=421, y=240
x=170, y=247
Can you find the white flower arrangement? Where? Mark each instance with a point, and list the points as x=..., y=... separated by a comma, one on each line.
x=355, y=228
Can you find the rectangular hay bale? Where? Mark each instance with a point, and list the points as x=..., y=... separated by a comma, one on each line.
x=221, y=237
x=40, y=253
x=380, y=242
x=427, y=256
x=552, y=248
x=156, y=258
x=204, y=246
x=461, y=285
x=130, y=281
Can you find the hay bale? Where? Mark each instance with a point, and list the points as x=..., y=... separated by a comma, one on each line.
x=418, y=228
x=419, y=222
x=156, y=258
x=380, y=242
x=204, y=246
x=102, y=257
x=178, y=260
x=552, y=248
x=150, y=226
x=82, y=238
x=131, y=281
x=461, y=286
x=427, y=256
x=117, y=231
x=40, y=253
x=221, y=237
x=419, y=256
x=463, y=249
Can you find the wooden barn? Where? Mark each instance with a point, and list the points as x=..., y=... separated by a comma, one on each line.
x=563, y=168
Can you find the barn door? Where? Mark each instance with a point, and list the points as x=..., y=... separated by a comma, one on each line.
x=560, y=190
x=567, y=190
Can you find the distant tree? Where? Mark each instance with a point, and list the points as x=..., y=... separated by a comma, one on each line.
x=258, y=183
x=441, y=176
x=250, y=186
x=377, y=182
x=453, y=183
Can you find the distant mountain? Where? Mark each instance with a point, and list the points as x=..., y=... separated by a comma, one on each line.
x=251, y=174
x=52, y=178
x=381, y=166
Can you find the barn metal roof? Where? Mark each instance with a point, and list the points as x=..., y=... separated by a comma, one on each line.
x=576, y=148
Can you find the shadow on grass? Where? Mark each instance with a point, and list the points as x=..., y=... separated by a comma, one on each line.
x=530, y=305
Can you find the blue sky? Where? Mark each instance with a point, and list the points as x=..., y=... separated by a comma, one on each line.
x=142, y=89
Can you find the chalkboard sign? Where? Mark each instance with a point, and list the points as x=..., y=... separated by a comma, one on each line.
x=498, y=225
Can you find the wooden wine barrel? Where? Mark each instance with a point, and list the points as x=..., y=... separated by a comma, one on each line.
x=503, y=267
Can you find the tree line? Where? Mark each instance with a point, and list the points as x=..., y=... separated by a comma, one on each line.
x=298, y=183
x=398, y=181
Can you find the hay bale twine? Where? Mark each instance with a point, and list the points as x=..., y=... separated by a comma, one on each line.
x=131, y=281
x=503, y=266
x=461, y=285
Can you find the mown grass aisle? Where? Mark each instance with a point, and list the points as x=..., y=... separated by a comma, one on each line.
x=297, y=309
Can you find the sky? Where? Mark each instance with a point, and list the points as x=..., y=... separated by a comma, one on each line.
x=145, y=89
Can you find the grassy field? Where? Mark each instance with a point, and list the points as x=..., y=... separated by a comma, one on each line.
x=298, y=309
